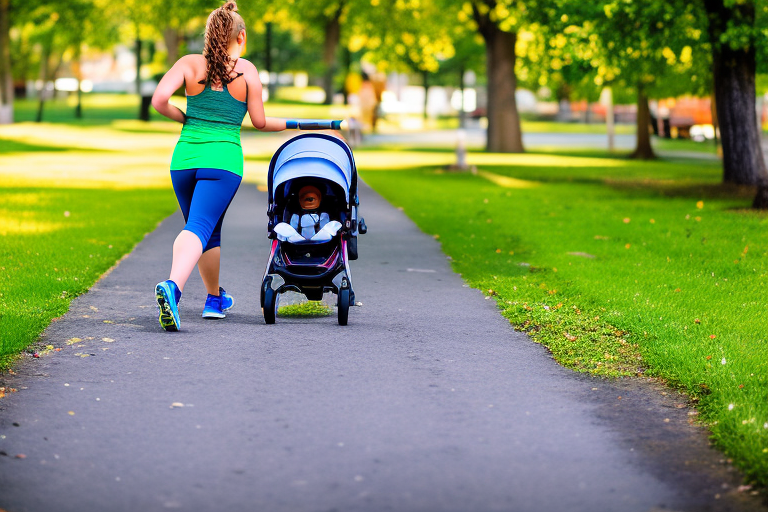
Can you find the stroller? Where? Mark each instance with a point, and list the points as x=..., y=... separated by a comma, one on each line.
x=312, y=267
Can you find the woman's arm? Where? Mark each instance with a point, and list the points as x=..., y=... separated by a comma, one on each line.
x=273, y=124
x=170, y=82
x=256, y=107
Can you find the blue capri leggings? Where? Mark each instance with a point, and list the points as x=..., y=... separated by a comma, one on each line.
x=204, y=196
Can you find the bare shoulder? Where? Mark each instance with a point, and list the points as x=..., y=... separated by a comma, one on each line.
x=246, y=67
x=192, y=60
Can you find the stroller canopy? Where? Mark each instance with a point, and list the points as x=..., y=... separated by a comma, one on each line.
x=313, y=156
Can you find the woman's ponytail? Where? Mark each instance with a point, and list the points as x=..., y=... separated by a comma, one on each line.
x=222, y=27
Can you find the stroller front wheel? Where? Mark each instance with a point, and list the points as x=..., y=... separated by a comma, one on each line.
x=343, y=306
x=270, y=305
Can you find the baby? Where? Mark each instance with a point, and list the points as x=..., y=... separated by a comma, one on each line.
x=311, y=224
x=311, y=220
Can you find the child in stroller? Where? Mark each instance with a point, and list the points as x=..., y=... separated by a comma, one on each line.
x=313, y=222
x=310, y=223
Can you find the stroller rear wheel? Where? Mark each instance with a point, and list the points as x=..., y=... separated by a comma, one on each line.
x=270, y=305
x=343, y=306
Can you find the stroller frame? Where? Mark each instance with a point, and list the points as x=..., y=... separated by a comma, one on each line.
x=312, y=268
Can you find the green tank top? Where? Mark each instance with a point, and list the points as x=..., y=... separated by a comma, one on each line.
x=210, y=137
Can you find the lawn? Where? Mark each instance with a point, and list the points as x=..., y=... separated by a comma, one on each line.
x=620, y=268
x=67, y=214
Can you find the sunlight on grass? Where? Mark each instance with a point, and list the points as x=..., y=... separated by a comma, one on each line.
x=506, y=181
x=378, y=160
x=540, y=160
x=14, y=226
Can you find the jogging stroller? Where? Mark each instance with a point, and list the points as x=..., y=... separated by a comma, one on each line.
x=312, y=267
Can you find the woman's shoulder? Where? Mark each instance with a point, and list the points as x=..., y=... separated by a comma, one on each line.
x=245, y=66
x=193, y=58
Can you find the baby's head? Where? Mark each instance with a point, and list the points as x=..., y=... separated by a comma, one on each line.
x=309, y=197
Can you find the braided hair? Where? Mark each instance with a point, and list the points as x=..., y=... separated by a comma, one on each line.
x=222, y=27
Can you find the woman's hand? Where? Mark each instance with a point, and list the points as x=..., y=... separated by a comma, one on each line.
x=170, y=82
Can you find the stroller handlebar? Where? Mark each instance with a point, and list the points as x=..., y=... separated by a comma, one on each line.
x=312, y=124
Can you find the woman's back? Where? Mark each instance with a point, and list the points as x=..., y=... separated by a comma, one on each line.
x=211, y=134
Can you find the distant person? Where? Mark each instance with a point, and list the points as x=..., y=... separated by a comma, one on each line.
x=368, y=101
x=207, y=163
x=379, y=82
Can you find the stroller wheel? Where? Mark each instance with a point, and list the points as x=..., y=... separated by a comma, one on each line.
x=343, y=306
x=270, y=305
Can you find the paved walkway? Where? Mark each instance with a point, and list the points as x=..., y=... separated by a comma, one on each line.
x=427, y=401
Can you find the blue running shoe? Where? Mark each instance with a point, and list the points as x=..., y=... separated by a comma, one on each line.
x=168, y=296
x=227, y=301
x=212, y=307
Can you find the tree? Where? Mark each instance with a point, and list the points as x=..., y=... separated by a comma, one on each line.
x=499, y=21
x=735, y=36
x=328, y=17
x=652, y=47
x=6, y=78
x=414, y=36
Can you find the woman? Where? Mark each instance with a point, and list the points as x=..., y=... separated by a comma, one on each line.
x=207, y=163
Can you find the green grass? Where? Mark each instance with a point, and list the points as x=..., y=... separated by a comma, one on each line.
x=54, y=245
x=98, y=109
x=309, y=309
x=686, y=145
x=13, y=146
x=620, y=268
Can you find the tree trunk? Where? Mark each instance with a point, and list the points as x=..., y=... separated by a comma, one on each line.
x=172, y=38
x=504, y=133
x=79, y=76
x=734, y=72
x=44, y=64
x=6, y=78
x=332, y=38
x=268, y=59
x=643, y=150
x=761, y=198
x=715, y=124
x=144, y=102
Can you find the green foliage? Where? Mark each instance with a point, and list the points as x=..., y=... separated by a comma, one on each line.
x=604, y=260
x=659, y=45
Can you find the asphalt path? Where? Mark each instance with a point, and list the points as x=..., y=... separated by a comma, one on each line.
x=427, y=401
